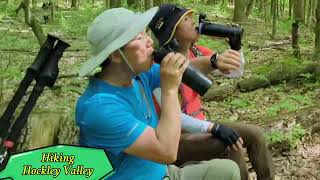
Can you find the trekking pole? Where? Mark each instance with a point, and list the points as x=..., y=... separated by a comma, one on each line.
x=32, y=72
x=47, y=77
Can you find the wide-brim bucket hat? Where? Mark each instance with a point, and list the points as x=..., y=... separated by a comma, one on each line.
x=165, y=22
x=110, y=31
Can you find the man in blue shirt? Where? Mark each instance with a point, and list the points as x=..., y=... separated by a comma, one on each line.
x=116, y=112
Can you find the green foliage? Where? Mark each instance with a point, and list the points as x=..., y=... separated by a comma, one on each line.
x=290, y=139
x=278, y=64
x=312, y=86
x=240, y=103
x=261, y=77
x=209, y=9
x=274, y=137
x=284, y=25
x=6, y=10
x=285, y=105
x=74, y=23
x=306, y=76
x=303, y=100
x=296, y=135
x=291, y=103
x=217, y=45
x=12, y=73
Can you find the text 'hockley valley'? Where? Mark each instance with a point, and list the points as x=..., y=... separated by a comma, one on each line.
x=54, y=169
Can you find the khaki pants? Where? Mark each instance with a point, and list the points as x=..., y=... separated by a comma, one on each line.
x=217, y=169
x=210, y=148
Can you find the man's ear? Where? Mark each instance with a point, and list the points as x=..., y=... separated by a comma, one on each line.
x=115, y=56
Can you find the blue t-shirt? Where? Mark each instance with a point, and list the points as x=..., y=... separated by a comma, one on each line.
x=113, y=118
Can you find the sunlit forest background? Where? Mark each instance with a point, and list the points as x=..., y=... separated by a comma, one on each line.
x=280, y=89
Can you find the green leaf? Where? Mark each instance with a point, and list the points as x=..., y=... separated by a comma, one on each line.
x=240, y=103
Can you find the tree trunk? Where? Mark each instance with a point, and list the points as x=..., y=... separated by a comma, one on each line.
x=34, y=3
x=38, y=31
x=317, y=32
x=224, y=4
x=277, y=9
x=308, y=13
x=312, y=17
x=27, y=12
x=131, y=2
x=211, y=2
x=250, y=8
x=282, y=7
x=239, y=11
x=274, y=17
x=41, y=130
x=157, y=2
x=295, y=39
x=115, y=3
x=74, y=4
x=33, y=23
x=290, y=7
x=285, y=73
x=260, y=5
x=267, y=13
x=46, y=129
x=52, y=8
x=298, y=13
x=298, y=10
x=139, y=4
x=107, y=4
x=218, y=93
x=148, y=4
x=21, y=7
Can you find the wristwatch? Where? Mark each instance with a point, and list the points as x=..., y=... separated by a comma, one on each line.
x=214, y=60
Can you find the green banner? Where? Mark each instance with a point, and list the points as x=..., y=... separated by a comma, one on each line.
x=58, y=162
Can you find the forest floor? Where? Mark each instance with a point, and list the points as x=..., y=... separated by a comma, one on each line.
x=289, y=112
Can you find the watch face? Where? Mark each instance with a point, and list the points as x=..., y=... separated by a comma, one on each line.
x=213, y=60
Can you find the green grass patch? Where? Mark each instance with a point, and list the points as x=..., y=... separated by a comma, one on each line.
x=288, y=139
x=290, y=103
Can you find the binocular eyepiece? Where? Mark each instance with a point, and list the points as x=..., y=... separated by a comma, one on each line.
x=212, y=29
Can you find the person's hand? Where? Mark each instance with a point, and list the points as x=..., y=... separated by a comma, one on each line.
x=228, y=61
x=172, y=67
x=228, y=136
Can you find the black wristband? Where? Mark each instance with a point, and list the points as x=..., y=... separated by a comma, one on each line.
x=214, y=60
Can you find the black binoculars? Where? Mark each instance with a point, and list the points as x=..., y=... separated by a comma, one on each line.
x=191, y=76
x=212, y=29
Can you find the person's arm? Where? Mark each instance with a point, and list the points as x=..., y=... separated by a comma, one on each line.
x=188, y=123
x=161, y=144
x=197, y=133
x=193, y=125
x=225, y=62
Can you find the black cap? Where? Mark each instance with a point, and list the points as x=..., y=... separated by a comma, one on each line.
x=164, y=23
